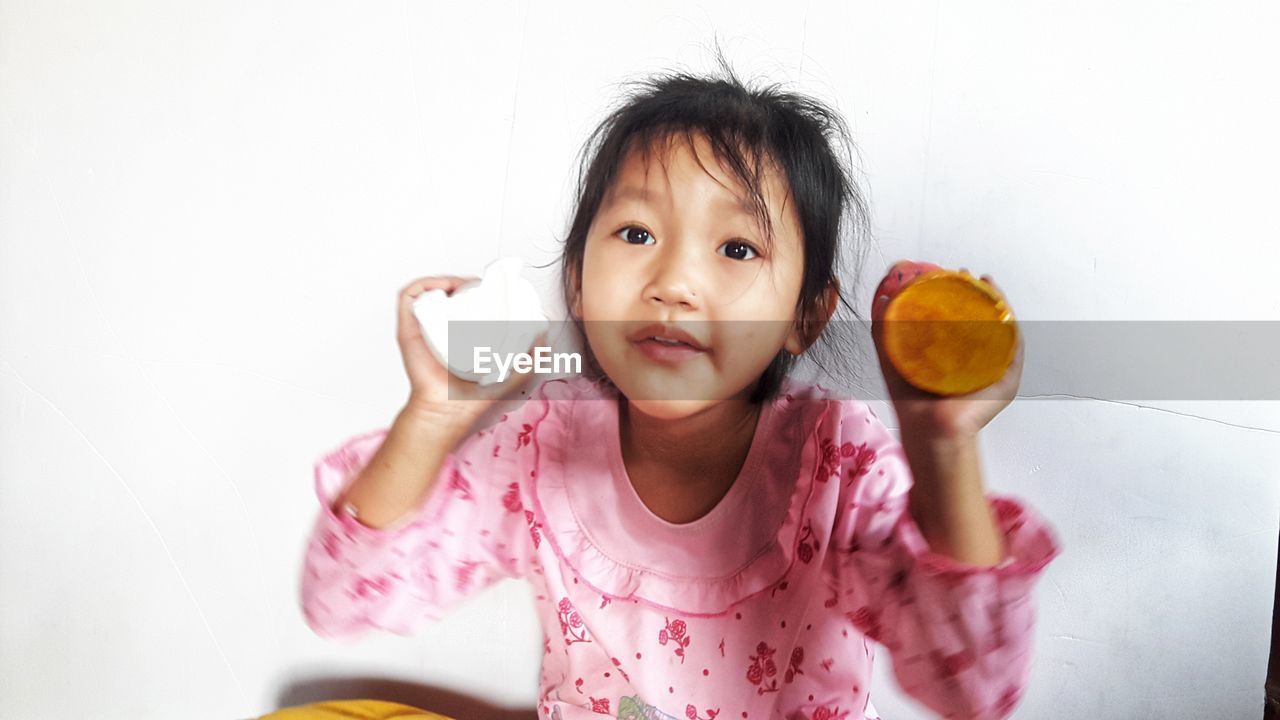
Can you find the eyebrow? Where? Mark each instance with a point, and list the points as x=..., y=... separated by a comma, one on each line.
x=739, y=207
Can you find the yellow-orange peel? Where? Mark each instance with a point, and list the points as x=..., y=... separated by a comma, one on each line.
x=949, y=333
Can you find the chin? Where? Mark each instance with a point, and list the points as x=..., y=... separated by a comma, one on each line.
x=666, y=394
x=670, y=409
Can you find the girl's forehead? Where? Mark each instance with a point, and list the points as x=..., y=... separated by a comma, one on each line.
x=676, y=155
x=647, y=173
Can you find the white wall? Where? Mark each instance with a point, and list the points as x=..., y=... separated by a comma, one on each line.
x=207, y=210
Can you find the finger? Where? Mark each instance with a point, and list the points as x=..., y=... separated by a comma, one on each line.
x=448, y=283
x=877, y=325
x=410, y=293
x=461, y=283
x=408, y=330
x=990, y=281
x=430, y=283
x=877, y=308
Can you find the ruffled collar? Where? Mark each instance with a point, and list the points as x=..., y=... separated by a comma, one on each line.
x=599, y=527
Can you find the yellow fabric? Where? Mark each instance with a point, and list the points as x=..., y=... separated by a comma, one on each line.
x=353, y=710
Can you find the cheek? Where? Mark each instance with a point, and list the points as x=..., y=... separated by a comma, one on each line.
x=591, y=263
x=771, y=296
x=600, y=283
x=757, y=339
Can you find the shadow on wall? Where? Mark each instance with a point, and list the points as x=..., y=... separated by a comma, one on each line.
x=436, y=700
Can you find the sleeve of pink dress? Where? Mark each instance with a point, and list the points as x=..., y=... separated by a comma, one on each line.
x=959, y=635
x=468, y=532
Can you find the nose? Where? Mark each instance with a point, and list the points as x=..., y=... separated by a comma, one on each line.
x=673, y=284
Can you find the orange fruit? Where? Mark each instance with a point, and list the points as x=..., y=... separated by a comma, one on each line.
x=949, y=333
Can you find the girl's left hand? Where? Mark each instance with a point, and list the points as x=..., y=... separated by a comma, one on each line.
x=936, y=416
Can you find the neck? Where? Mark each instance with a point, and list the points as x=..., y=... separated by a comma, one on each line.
x=706, y=446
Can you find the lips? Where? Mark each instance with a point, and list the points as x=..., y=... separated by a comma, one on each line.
x=667, y=333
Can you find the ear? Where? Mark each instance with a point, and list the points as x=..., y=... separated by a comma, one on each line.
x=800, y=338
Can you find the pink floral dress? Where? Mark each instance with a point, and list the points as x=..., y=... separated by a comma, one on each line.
x=769, y=606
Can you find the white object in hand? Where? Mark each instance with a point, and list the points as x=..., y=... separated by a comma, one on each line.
x=502, y=313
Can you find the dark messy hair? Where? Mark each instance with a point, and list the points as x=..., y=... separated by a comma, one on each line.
x=747, y=129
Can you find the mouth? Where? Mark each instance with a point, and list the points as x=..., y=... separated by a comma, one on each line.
x=667, y=335
x=666, y=343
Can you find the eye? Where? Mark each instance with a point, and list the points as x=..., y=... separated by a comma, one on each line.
x=628, y=234
x=737, y=247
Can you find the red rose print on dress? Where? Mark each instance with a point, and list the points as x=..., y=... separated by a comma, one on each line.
x=571, y=623
x=761, y=668
x=525, y=436
x=599, y=705
x=463, y=572
x=820, y=713
x=511, y=501
x=808, y=545
x=829, y=459
x=332, y=545
x=778, y=587
x=1007, y=511
x=951, y=665
x=998, y=638
x=863, y=456
x=674, y=631
x=1010, y=516
x=366, y=587
x=459, y=483
x=533, y=527
x=1008, y=700
x=867, y=620
x=793, y=667
x=618, y=664
x=691, y=713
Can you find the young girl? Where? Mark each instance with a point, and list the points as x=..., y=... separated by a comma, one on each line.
x=706, y=537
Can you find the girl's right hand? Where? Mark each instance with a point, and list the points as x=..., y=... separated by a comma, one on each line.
x=434, y=393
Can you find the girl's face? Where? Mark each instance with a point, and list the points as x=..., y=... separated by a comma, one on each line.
x=677, y=247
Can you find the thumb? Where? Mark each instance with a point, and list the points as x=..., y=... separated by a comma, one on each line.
x=877, y=317
x=894, y=382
